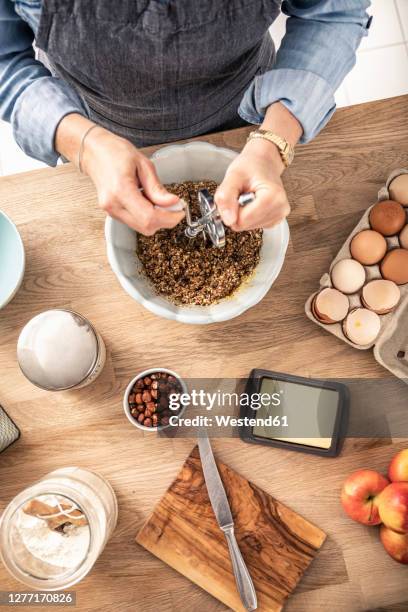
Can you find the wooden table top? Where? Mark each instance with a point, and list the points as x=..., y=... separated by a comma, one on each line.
x=330, y=183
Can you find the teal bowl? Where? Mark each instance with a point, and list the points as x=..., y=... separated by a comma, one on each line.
x=12, y=260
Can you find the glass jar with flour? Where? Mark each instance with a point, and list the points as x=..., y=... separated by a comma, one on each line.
x=52, y=533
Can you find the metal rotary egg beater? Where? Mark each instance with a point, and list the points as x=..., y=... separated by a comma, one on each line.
x=210, y=222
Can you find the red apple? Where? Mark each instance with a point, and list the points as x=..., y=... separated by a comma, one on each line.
x=398, y=470
x=359, y=496
x=396, y=544
x=393, y=506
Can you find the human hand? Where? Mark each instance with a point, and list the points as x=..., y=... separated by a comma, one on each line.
x=257, y=169
x=119, y=171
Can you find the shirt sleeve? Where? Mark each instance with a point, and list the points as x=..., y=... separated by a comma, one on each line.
x=317, y=51
x=30, y=98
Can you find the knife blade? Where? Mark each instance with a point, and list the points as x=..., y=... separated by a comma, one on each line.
x=222, y=511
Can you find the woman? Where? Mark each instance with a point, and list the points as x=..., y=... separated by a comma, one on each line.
x=132, y=73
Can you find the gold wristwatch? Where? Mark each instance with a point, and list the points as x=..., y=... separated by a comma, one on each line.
x=286, y=150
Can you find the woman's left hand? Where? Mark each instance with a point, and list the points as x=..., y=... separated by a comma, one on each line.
x=257, y=169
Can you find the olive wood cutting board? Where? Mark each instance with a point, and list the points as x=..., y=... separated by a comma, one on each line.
x=277, y=544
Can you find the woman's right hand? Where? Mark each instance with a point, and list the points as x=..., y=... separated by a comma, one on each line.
x=119, y=171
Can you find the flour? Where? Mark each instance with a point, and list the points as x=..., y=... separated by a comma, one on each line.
x=66, y=550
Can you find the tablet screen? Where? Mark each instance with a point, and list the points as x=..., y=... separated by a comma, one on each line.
x=310, y=413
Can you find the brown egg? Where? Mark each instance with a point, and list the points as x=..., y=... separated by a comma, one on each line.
x=387, y=217
x=394, y=266
x=403, y=237
x=330, y=306
x=399, y=189
x=368, y=247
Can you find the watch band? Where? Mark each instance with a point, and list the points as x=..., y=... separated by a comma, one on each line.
x=286, y=150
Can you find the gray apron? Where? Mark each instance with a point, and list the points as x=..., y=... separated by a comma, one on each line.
x=159, y=70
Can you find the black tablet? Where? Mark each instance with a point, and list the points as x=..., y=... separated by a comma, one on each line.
x=296, y=413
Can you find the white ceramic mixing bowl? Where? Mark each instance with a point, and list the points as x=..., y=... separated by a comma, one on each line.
x=12, y=260
x=192, y=162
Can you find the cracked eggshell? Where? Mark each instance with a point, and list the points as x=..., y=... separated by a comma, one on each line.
x=381, y=296
x=330, y=306
x=362, y=326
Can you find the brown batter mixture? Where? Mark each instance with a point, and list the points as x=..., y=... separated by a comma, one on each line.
x=193, y=271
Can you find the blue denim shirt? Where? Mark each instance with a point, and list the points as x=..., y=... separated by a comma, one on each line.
x=316, y=53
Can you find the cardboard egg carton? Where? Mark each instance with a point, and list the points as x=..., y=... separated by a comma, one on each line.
x=391, y=344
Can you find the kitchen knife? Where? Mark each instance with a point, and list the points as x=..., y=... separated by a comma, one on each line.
x=222, y=511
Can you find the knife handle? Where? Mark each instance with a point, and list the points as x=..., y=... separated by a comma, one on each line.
x=243, y=579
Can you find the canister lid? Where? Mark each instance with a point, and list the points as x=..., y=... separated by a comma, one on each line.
x=57, y=349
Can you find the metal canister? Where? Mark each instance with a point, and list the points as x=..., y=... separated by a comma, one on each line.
x=60, y=349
